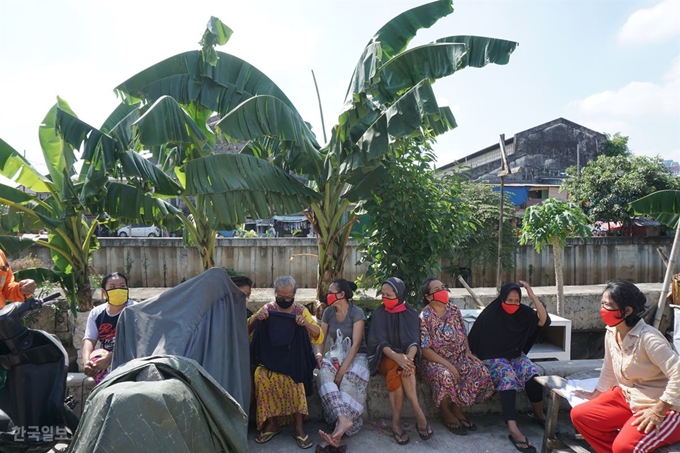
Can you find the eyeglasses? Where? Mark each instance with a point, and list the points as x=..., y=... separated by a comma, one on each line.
x=608, y=307
x=441, y=288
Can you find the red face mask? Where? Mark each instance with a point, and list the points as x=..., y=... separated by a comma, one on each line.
x=390, y=303
x=611, y=317
x=331, y=298
x=510, y=309
x=441, y=296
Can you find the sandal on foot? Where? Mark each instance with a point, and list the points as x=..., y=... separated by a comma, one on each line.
x=303, y=442
x=266, y=436
x=460, y=430
x=467, y=424
x=400, y=438
x=427, y=430
x=527, y=449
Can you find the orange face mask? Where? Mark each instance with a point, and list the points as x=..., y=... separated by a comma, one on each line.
x=390, y=303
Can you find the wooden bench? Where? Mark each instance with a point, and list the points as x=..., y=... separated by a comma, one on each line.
x=556, y=386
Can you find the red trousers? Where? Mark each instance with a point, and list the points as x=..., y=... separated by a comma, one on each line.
x=605, y=423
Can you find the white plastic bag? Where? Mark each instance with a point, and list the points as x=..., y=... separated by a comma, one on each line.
x=339, y=349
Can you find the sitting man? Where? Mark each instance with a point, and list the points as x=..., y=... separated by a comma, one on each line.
x=101, y=326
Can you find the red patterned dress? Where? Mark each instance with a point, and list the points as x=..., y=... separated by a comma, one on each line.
x=447, y=337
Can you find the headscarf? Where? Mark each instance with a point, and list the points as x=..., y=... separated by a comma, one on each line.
x=399, y=288
x=498, y=334
x=399, y=330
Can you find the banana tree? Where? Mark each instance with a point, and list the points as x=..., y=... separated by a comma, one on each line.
x=551, y=223
x=165, y=111
x=61, y=201
x=664, y=206
x=389, y=101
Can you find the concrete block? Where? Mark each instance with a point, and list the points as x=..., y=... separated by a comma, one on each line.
x=79, y=386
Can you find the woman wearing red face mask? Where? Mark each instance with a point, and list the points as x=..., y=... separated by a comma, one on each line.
x=393, y=351
x=502, y=335
x=457, y=378
x=342, y=386
x=636, y=404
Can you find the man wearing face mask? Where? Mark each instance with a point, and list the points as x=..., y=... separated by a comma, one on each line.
x=281, y=396
x=101, y=326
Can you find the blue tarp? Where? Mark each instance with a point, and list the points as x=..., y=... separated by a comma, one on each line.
x=518, y=195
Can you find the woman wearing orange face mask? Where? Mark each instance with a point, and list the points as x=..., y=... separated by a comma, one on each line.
x=394, y=350
x=457, y=378
x=501, y=337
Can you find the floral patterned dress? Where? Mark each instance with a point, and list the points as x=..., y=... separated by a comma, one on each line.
x=447, y=337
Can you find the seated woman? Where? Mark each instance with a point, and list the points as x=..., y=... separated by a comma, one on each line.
x=457, y=378
x=343, y=389
x=279, y=399
x=636, y=404
x=394, y=349
x=502, y=336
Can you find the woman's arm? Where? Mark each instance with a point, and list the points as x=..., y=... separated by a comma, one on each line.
x=660, y=353
x=540, y=309
x=313, y=328
x=357, y=335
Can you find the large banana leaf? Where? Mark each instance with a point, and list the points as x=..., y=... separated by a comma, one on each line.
x=187, y=79
x=430, y=61
x=58, y=155
x=166, y=122
x=393, y=38
x=12, y=245
x=481, y=51
x=216, y=33
x=15, y=167
x=267, y=116
x=238, y=185
x=135, y=165
x=129, y=204
x=663, y=205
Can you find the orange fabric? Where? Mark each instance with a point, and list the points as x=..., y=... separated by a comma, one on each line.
x=10, y=288
x=388, y=368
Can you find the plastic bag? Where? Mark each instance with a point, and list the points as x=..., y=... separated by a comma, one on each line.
x=339, y=349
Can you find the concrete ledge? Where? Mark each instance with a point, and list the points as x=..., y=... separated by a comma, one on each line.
x=79, y=386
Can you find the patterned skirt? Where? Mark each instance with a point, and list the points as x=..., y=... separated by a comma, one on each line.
x=350, y=398
x=277, y=395
x=511, y=374
x=474, y=386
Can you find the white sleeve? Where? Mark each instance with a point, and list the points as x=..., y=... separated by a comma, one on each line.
x=91, y=331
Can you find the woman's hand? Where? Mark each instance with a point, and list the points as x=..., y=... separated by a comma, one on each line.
x=339, y=375
x=264, y=314
x=454, y=372
x=300, y=320
x=526, y=286
x=586, y=395
x=319, y=359
x=405, y=362
x=470, y=356
x=647, y=420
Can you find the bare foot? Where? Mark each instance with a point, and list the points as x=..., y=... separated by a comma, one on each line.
x=343, y=425
x=328, y=439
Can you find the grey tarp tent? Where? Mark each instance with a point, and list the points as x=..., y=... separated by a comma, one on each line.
x=164, y=403
x=203, y=319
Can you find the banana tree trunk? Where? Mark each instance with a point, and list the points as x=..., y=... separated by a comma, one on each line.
x=83, y=291
x=331, y=236
x=666, y=288
x=557, y=254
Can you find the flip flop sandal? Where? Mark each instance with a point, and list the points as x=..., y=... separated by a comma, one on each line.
x=302, y=441
x=459, y=430
x=397, y=436
x=467, y=424
x=527, y=449
x=427, y=430
x=265, y=437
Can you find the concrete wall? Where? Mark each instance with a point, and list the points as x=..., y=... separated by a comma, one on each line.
x=165, y=262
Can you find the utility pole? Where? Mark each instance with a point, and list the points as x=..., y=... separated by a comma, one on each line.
x=505, y=170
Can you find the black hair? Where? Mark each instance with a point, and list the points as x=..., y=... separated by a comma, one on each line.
x=241, y=281
x=425, y=289
x=346, y=287
x=625, y=294
x=106, y=279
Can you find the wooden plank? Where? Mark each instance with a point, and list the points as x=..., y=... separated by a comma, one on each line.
x=552, y=412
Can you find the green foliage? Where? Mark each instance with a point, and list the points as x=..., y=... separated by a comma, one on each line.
x=663, y=205
x=414, y=218
x=479, y=246
x=617, y=145
x=553, y=220
x=607, y=186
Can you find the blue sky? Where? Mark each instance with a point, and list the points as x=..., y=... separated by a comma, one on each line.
x=610, y=65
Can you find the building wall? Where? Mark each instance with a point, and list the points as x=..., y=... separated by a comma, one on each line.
x=165, y=262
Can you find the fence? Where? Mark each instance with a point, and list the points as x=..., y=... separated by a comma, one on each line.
x=165, y=262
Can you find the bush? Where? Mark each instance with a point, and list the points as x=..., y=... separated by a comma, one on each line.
x=28, y=262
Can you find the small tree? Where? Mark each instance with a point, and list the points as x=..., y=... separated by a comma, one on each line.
x=414, y=218
x=551, y=223
x=617, y=145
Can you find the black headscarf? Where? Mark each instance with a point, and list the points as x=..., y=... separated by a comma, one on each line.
x=399, y=331
x=498, y=334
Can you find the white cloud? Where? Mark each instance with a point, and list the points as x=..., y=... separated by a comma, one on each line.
x=609, y=126
x=654, y=24
x=638, y=98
